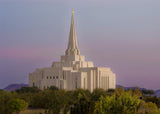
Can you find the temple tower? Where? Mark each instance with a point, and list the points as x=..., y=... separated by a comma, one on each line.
x=72, y=43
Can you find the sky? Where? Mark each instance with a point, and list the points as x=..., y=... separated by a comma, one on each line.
x=121, y=34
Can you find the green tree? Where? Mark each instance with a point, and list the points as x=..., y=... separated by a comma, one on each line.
x=147, y=108
x=119, y=91
x=55, y=100
x=28, y=90
x=5, y=98
x=53, y=88
x=147, y=92
x=137, y=92
x=81, y=102
x=81, y=106
x=105, y=105
x=124, y=104
x=17, y=105
x=127, y=103
x=150, y=107
x=85, y=93
x=95, y=96
x=37, y=100
x=97, y=93
x=153, y=99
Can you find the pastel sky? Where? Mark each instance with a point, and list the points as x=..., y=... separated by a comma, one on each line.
x=121, y=34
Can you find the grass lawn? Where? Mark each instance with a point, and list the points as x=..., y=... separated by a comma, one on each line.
x=33, y=111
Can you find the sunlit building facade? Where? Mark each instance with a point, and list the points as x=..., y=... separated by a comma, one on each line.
x=73, y=71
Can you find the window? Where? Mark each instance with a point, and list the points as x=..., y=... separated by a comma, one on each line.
x=76, y=82
x=50, y=77
x=56, y=77
x=63, y=75
x=47, y=77
x=53, y=77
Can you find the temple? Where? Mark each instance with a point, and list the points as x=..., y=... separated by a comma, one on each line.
x=72, y=71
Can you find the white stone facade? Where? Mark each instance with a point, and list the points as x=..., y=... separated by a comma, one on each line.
x=73, y=71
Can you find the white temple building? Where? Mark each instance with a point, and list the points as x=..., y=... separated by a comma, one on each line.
x=72, y=71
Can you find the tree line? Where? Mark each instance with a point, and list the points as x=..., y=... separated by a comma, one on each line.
x=80, y=101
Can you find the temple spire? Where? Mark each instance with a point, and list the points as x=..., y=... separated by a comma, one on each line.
x=72, y=43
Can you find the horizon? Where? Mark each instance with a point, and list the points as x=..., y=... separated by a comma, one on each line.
x=27, y=85
x=122, y=35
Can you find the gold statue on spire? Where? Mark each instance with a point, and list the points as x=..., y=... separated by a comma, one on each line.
x=72, y=11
